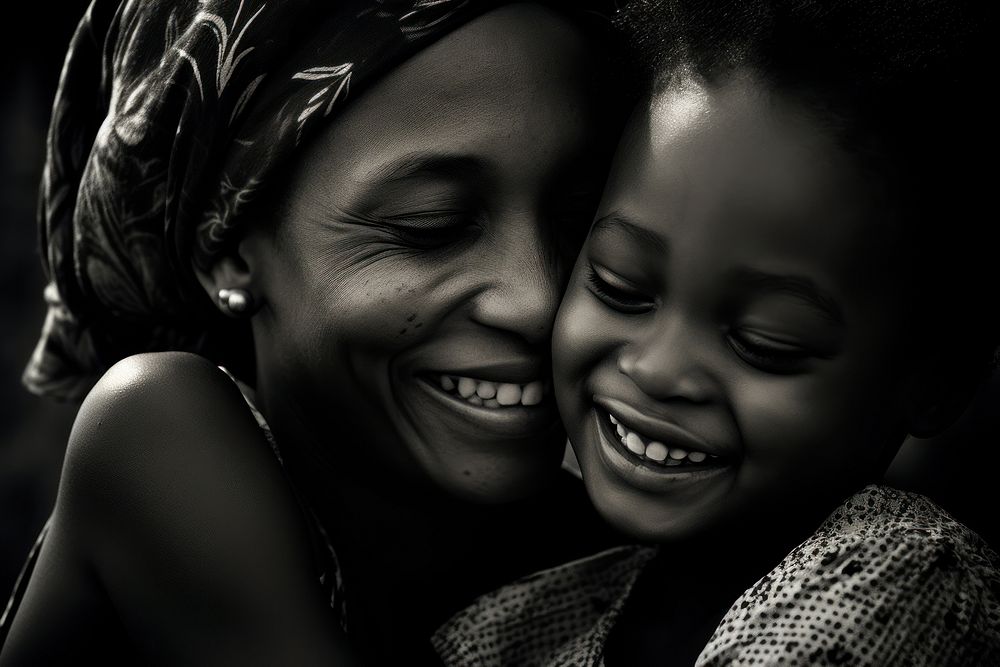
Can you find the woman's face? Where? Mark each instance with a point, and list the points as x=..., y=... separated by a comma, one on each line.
x=726, y=348
x=409, y=289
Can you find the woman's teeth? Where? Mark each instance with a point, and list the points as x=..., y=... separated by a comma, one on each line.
x=493, y=394
x=657, y=452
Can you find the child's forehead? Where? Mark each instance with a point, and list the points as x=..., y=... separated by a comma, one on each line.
x=733, y=143
x=740, y=109
x=730, y=164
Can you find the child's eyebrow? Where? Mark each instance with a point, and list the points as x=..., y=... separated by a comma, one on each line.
x=617, y=220
x=799, y=286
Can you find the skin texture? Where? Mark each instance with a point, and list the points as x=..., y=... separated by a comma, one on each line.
x=437, y=244
x=793, y=383
x=430, y=228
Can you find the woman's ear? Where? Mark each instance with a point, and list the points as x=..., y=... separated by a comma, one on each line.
x=229, y=284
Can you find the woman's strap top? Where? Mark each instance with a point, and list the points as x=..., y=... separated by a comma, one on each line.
x=327, y=565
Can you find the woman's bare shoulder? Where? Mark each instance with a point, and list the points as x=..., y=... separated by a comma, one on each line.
x=173, y=500
x=150, y=417
x=143, y=393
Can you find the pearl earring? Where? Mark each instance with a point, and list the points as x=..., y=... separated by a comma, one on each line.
x=235, y=301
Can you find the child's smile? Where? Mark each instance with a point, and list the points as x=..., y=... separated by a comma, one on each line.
x=727, y=348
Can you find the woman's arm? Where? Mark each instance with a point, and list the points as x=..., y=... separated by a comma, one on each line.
x=174, y=527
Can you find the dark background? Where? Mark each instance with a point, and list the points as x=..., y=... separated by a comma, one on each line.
x=33, y=431
x=959, y=470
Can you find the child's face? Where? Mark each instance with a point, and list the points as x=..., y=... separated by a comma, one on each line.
x=734, y=315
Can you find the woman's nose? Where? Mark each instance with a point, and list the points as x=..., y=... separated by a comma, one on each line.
x=521, y=287
x=669, y=361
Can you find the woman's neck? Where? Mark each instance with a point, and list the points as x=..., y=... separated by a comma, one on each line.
x=412, y=555
x=415, y=562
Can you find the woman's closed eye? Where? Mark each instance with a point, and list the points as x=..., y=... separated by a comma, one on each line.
x=429, y=229
x=618, y=293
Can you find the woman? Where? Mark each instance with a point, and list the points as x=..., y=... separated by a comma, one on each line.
x=399, y=275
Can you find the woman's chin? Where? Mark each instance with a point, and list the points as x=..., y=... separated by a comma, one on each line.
x=496, y=478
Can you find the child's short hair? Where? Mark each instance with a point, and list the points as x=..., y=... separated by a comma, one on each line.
x=901, y=85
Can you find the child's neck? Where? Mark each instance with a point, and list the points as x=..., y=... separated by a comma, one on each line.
x=682, y=595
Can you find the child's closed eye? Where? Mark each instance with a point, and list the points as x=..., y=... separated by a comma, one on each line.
x=769, y=353
x=618, y=293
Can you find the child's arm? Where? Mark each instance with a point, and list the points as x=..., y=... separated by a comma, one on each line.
x=175, y=528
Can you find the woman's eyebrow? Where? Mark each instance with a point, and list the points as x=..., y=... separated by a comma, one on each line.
x=429, y=163
x=795, y=285
x=640, y=234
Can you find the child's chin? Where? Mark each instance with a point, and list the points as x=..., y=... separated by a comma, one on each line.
x=643, y=516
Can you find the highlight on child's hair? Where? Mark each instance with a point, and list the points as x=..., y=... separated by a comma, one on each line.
x=902, y=86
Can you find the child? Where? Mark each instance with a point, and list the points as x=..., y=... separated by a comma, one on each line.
x=788, y=273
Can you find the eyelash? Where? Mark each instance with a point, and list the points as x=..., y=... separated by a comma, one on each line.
x=778, y=359
x=429, y=236
x=624, y=301
x=752, y=347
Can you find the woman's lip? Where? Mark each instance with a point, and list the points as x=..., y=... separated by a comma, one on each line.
x=655, y=429
x=646, y=476
x=509, y=421
x=514, y=371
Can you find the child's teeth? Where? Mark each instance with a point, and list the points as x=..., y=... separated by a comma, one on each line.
x=491, y=403
x=532, y=393
x=466, y=387
x=475, y=400
x=656, y=451
x=447, y=383
x=508, y=394
x=635, y=444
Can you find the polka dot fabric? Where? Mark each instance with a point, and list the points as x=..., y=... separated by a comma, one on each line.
x=888, y=579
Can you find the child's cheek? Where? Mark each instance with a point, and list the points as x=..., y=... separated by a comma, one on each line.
x=583, y=338
x=796, y=427
x=774, y=411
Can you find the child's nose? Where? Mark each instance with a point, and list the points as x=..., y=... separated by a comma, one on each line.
x=668, y=361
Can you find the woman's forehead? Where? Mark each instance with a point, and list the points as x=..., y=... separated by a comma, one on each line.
x=510, y=89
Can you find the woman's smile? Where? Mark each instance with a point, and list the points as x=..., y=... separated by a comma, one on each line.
x=505, y=397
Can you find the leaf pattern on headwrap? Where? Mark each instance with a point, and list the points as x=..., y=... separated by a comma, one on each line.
x=229, y=54
x=340, y=83
x=428, y=13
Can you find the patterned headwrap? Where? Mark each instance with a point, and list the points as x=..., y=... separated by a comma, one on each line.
x=170, y=117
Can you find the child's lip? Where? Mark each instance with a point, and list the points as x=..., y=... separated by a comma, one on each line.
x=657, y=429
x=647, y=476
